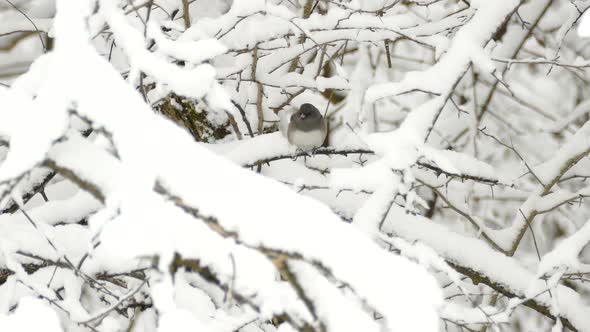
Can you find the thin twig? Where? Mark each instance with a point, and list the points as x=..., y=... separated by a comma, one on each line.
x=114, y=306
x=33, y=23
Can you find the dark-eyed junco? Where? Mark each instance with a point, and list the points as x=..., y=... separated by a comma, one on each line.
x=307, y=128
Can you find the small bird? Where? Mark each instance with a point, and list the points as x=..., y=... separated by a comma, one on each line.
x=307, y=128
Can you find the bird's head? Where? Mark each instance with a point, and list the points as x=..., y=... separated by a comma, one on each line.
x=309, y=111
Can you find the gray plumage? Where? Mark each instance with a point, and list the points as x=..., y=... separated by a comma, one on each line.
x=307, y=128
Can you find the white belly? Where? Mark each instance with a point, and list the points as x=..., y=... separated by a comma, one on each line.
x=306, y=140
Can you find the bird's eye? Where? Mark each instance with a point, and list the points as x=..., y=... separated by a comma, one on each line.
x=302, y=115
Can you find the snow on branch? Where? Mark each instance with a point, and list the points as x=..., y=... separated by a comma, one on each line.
x=148, y=182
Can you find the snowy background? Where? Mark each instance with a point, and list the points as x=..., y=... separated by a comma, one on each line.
x=146, y=183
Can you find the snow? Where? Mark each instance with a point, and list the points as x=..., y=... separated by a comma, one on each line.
x=466, y=47
x=507, y=272
x=245, y=218
x=348, y=318
x=459, y=163
x=584, y=26
x=19, y=23
x=334, y=82
x=303, y=221
x=188, y=50
x=185, y=80
x=565, y=254
x=331, y=240
x=44, y=317
x=36, y=138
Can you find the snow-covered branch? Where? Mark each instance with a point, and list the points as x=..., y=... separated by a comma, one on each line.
x=149, y=179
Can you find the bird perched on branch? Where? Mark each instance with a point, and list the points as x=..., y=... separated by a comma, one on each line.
x=307, y=128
